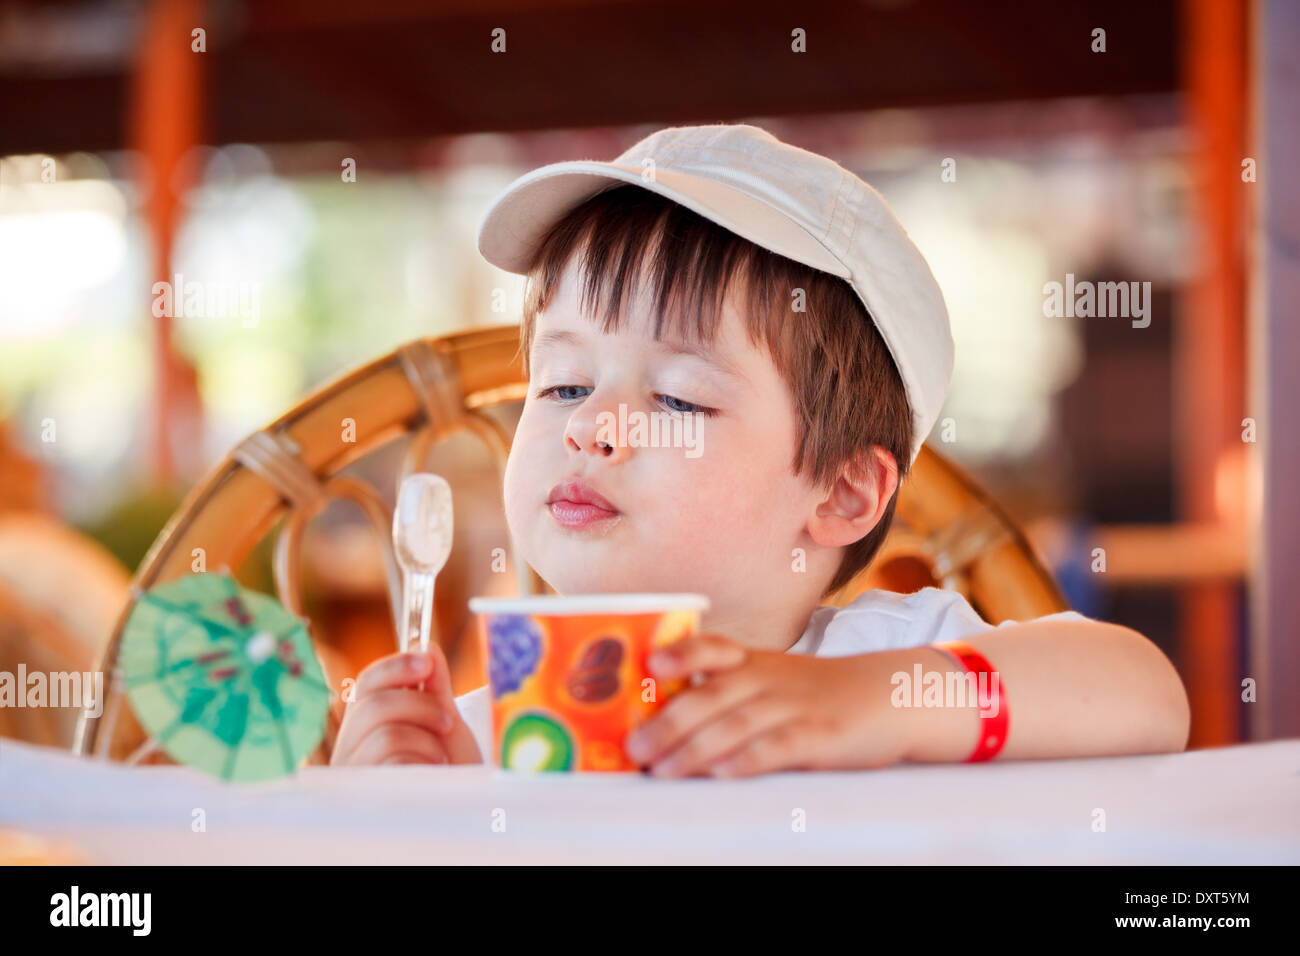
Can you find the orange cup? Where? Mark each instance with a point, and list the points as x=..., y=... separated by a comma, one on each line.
x=568, y=674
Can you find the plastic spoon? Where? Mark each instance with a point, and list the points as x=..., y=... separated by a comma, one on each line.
x=422, y=526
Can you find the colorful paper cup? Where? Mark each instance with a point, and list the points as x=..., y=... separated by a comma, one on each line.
x=568, y=674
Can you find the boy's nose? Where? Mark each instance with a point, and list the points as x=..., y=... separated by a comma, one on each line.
x=583, y=434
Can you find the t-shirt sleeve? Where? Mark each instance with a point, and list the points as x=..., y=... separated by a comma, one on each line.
x=476, y=710
x=885, y=620
x=947, y=616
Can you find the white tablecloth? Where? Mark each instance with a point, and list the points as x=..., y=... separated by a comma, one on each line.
x=1224, y=806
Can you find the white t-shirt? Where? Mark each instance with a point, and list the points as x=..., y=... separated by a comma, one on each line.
x=873, y=621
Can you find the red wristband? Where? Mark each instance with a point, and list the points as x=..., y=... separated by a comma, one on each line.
x=993, y=728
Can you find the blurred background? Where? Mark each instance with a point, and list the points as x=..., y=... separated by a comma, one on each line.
x=326, y=163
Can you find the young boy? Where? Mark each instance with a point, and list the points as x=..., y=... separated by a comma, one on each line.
x=767, y=296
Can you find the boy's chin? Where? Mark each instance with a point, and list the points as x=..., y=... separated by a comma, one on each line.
x=606, y=580
x=587, y=584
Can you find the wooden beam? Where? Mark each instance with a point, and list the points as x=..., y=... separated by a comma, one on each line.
x=1209, y=347
x=399, y=69
x=165, y=123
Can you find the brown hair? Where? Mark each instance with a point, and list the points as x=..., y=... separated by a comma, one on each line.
x=847, y=391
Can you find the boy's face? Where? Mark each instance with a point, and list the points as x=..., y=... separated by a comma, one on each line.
x=719, y=518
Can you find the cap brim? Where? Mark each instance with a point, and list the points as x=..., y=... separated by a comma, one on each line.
x=514, y=226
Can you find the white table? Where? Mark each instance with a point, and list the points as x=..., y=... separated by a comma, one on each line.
x=1234, y=805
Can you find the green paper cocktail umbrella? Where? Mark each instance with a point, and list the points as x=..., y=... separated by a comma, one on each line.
x=223, y=678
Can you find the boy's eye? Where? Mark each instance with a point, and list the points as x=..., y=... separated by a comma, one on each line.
x=686, y=408
x=570, y=393
x=563, y=392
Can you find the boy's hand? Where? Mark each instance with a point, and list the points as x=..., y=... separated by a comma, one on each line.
x=391, y=721
x=762, y=711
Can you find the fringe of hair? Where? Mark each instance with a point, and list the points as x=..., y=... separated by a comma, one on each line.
x=848, y=395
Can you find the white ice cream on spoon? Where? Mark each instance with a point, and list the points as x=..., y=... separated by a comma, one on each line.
x=422, y=529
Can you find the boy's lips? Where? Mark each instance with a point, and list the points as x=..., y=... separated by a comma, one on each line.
x=576, y=504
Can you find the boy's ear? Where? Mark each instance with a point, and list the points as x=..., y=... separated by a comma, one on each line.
x=856, y=500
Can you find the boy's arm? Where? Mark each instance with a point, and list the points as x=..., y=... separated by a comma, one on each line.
x=1073, y=689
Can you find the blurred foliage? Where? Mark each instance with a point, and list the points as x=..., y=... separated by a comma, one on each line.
x=131, y=526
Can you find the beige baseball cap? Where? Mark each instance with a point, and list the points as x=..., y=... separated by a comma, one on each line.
x=793, y=202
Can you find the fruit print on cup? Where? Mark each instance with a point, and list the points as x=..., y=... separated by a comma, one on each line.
x=536, y=742
x=516, y=646
x=568, y=675
x=594, y=678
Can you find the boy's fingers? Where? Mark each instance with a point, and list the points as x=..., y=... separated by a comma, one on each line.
x=389, y=740
x=404, y=705
x=401, y=705
x=703, y=653
x=685, y=714
x=395, y=670
x=733, y=731
x=460, y=744
x=778, y=748
x=439, y=682
x=404, y=758
x=389, y=690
